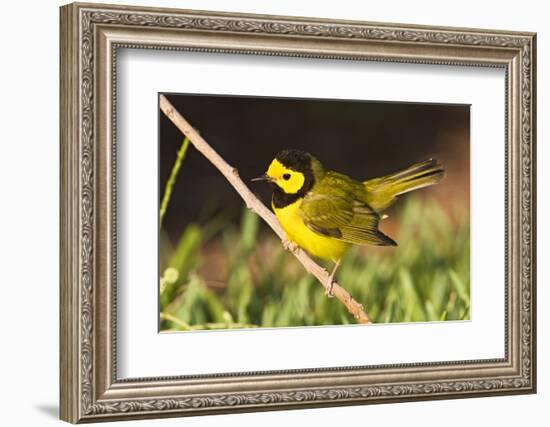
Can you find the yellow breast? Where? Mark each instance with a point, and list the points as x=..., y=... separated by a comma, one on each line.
x=317, y=245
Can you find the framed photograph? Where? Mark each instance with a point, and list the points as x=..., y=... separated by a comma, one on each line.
x=266, y=212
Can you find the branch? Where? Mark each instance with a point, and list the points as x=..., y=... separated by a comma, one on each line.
x=254, y=204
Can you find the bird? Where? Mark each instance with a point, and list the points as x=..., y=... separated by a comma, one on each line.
x=325, y=212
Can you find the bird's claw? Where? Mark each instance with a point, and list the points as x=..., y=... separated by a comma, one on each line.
x=329, y=289
x=289, y=245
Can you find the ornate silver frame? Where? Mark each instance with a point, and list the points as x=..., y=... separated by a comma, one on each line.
x=90, y=36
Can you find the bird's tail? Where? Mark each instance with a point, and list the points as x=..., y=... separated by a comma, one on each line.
x=382, y=192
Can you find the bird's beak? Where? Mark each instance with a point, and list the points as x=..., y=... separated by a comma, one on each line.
x=264, y=177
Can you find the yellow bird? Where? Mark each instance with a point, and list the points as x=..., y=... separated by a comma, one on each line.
x=324, y=212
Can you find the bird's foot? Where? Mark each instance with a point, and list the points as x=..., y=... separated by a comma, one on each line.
x=289, y=245
x=329, y=288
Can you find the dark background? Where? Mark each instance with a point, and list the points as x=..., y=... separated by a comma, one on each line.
x=363, y=139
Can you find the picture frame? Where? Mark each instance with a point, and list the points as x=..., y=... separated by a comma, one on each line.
x=91, y=37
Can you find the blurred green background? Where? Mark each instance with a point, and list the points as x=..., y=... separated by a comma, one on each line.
x=222, y=267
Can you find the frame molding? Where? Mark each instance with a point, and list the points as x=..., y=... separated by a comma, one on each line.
x=90, y=36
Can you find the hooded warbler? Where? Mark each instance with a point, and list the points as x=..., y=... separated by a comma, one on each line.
x=324, y=212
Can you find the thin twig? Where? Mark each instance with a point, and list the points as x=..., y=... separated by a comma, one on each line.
x=254, y=204
x=174, y=319
x=213, y=325
x=172, y=179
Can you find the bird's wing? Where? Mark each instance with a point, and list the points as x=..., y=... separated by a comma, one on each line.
x=341, y=216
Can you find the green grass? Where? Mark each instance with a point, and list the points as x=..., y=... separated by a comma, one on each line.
x=426, y=278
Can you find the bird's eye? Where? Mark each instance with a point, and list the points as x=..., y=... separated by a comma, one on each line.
x=286, y=176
